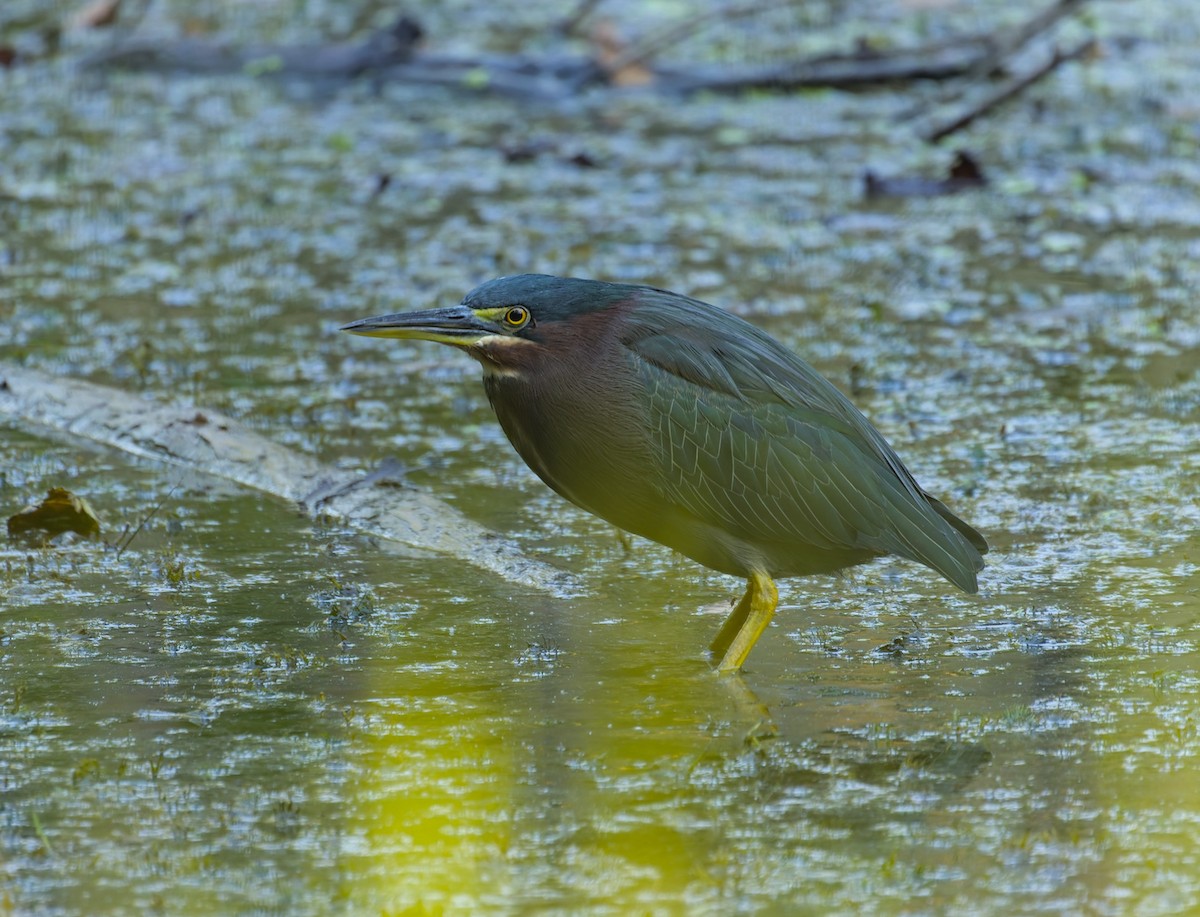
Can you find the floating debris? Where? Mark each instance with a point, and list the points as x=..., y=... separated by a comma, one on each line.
x=61, y=511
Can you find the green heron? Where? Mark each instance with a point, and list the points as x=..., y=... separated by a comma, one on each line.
x=681, y=422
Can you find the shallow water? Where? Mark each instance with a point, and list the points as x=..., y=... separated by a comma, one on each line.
x=245, y=712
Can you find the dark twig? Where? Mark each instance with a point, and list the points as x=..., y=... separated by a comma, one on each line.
x=570, y=25
x=851, y=71
x=126, y=542
x=390, y=470
x=997, y=51
x=1005, y=92
x=1005, y=45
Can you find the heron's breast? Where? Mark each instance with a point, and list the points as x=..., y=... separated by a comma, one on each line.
x=583, y=435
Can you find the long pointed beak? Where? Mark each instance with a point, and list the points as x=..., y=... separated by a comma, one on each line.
x=455, y=325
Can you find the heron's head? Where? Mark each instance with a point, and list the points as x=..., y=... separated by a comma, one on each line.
x=512, y=323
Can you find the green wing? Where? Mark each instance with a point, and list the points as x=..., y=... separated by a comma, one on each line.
x=751, y=437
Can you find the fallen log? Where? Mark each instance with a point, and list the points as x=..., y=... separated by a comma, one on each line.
x=210, y=443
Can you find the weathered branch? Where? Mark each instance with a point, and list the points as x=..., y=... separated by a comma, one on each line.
x=206, y=442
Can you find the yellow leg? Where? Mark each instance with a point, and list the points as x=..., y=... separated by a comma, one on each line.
x=720, y=644
x=745, y=623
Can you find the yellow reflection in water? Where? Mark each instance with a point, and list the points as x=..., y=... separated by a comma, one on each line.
x=483, y=790
x=435, y=805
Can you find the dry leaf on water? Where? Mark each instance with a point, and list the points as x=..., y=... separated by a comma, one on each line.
x=61, y=511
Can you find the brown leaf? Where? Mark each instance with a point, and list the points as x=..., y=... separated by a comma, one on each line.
x=609, y=51
x=96, y=14
x=60, y=512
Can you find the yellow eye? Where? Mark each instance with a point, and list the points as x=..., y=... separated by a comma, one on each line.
x=516, y=316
